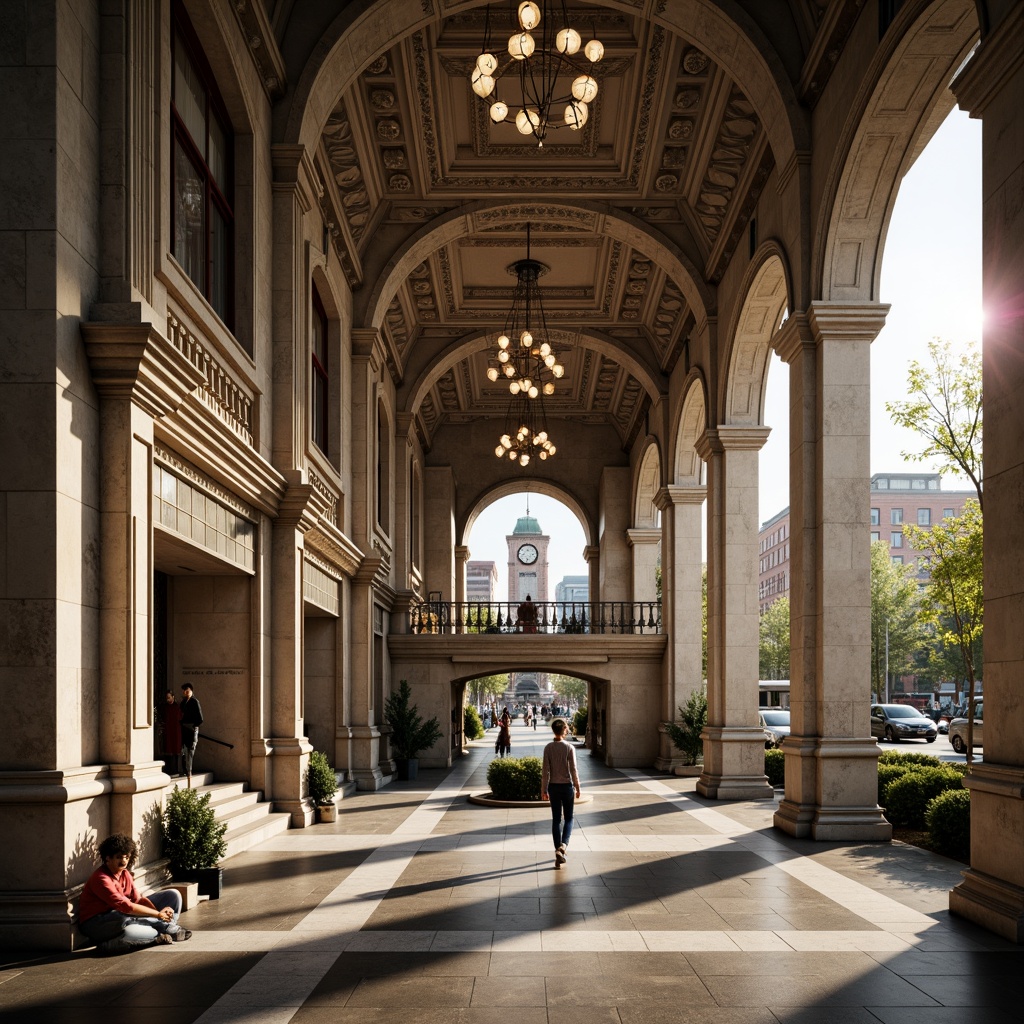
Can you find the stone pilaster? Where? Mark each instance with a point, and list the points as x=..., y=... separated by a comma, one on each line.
x=733, y=744
x=831, y=759
x=645, y=546
x=990, y=87
x=461, y=557
x=680, y=604
x=592, y=556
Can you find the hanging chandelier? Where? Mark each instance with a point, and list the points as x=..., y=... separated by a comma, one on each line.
x=522, y=354
x=544, y=56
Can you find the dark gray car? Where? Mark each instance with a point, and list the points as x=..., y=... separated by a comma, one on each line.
x=895, y=722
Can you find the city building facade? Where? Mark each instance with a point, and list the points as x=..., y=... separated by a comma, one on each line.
x=256, y=259
x=481, y=581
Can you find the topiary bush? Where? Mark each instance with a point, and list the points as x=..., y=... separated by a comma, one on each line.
x=321, y=781
x=193, y=838
x=887, y=775
x=775, y=767
x=515, y=778
x=907, y=798
x=472, y=726
x=909, y=757
x=579, y=722
x=693, y=716
x=948, y=817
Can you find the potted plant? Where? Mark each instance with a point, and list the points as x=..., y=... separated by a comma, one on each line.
x=685, y=734
x=409, y=732
x=194, y=841
x=322, y=784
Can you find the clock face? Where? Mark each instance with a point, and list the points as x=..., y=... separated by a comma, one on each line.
x=527, y=554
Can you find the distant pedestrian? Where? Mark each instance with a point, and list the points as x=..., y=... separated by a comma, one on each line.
x=560, y=783
x=191, y=719
x=503, y=746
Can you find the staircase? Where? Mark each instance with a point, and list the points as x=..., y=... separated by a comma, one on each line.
x=249, y=819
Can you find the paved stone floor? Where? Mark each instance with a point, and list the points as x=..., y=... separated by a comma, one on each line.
x=419, y=907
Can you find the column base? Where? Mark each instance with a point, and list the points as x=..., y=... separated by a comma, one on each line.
x=734, y=764
x=369, y=779
x=991, y=903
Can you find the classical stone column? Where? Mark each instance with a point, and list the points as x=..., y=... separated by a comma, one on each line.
x=615, y=561
x=831, y=759
x=139, y=377
x=592, y=556
x=733, y=744
x=991, y=87
x=646, y=547
x=461, y=557
x=680, y=604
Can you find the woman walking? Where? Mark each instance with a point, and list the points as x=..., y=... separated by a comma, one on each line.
x=560, y=784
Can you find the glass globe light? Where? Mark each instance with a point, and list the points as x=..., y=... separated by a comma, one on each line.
x=527, y=121
x=502, y=356
x=483, y=85
x=543, y=455
x=487, y=63
x=584, y=88
x=514, y=387
x=529, y=15
x=549, y=360
x=557, y=370
x=533, y=392
x=549, y=388
x=526, y=383
x=499, y=451
x=545, y=348
x=576, y=114
x=524, y=459
x=506, y=441
x=568, y=41
x=512, y=456
x=542, y=437
x=552, y=450
x=510, y=370
x=526, y=339
x=498, y=111
x=594, y=51
x=521, y=45
x=503, y=341
x=492, y=373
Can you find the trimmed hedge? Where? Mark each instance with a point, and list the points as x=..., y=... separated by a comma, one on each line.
x=909, y=757
x=472, y=726
x=948, y=817
x=515, y=778
x=887, y=775
x=907, y=798
x=775, y=767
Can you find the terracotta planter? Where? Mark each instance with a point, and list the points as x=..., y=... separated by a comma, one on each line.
x=326, y=813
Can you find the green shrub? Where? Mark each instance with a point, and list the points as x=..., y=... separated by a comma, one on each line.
x=775, y=767
x=321, y=782
x=693, y=716
x=410, y=734
x=948, y=817
x=515, y=778
x=579, y=722
x=887, y=775
x=472, y=726
x=909, y=757
x=193, y=838
x=907, y=798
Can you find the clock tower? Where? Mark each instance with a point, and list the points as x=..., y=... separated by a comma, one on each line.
x=527, y=560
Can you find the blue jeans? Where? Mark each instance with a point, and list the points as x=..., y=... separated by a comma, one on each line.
x=114, y=932
x=561, y=795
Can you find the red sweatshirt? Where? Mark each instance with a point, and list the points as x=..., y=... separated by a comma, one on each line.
x=104, y=892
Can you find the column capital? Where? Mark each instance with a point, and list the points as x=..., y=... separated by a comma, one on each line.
x=679, y=494
x=591, y=553
x=731, y=437
x=637, y=536
x=461, y=553
x=793, y=337
x=997, y=59
x=368, y=344
x=294, y=172
x=847, y=321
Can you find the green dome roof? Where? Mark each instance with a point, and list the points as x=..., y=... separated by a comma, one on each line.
x=527, y=524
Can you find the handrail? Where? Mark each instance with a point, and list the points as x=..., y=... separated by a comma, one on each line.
x=548, y=617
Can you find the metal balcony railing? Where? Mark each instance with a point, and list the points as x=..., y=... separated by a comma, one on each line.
x=504, y=617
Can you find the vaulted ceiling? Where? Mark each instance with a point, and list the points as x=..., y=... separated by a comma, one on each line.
x=672, y=146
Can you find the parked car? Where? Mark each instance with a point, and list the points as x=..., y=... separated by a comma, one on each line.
x=958, y=730
x=895, y=722
x=775, y=722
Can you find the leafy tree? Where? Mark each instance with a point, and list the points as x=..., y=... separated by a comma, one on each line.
x=944, y=406
x=490, y=686
x=569, y=687
x=685, y=734
x=774, y=647
x=894, y=607
x=954, y=598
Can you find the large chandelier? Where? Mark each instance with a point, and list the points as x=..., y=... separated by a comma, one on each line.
x=523, y=356
x=543, y=50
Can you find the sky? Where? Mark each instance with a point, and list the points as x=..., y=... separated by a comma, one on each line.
x=931, y=275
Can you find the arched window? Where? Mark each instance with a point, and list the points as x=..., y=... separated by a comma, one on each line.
x=202, y=219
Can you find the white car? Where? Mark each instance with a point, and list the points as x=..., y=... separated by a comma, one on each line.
x=958, y=730
x=775, y=722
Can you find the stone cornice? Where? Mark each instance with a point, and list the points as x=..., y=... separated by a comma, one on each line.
x=847, y=321
x=591, y=553
x=334, y=548
x=133, y=362
x=676, y=494
x=259, y=37
x=997, y=59
x=293, y=169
